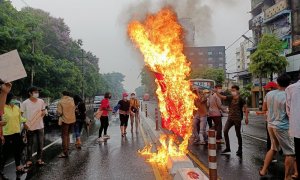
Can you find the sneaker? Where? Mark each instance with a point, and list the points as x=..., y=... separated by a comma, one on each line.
x=239, y=153
x=101, y=139
x=225, y=151
x=106, y=137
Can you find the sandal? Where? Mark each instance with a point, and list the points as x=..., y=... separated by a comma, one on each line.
x=62, y=155
x=21, y=171
x=40, y=163
x=28, y=164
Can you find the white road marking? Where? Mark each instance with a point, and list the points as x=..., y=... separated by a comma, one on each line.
x=254, y=137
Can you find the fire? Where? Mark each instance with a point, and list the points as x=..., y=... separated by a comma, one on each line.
x=160, y=40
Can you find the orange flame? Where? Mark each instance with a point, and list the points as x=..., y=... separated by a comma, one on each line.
x=160, y=39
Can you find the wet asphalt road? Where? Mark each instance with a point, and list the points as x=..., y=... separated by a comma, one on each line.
x=232, y=167
x=112, y=160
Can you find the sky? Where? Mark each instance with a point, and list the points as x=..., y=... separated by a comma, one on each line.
x=102, y=27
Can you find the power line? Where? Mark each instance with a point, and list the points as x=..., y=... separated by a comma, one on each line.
x=237, y=40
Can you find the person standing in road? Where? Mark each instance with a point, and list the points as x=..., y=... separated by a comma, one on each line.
x=134, y=112
x=278, y=126
x=33, y=109
x=215, y=112
x=124, y=109
x=80, y=113
x=293, y=112
x=202, y=113
x=11, y=132
x=105, y=108
x=4, y=90
x=67, y=118
x=237, y=106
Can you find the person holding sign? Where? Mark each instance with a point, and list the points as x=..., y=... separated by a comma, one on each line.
x=33, y=109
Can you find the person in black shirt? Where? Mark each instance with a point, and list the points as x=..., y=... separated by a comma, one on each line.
x=123, y=107
x=80, y=112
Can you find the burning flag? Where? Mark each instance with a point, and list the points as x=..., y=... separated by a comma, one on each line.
x=160, y=40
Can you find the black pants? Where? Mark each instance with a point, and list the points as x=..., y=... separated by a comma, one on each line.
x=237, y=125
x=268, y=138
x=104, y=125
x=209, y=122
x=218, y=126
x=124, y=119
x=39, y=135
x=297, y=151
x=13, y=143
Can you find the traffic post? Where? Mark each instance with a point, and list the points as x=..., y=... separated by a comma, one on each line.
x=212, y=155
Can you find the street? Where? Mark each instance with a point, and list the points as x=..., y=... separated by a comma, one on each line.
x=232, y=167
x=115, y=159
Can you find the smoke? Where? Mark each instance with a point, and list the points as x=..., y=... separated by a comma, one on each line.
x=199, y=12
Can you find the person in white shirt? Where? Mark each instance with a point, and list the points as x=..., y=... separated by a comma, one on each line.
x=33, y=109
x=292, y=108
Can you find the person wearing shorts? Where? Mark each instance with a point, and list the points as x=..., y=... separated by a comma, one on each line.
x=278, y=127
x=124, y=106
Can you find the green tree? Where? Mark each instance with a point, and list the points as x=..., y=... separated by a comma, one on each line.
x=246, y=92
x=267, y=60
x=148, y=81
x=216, y=74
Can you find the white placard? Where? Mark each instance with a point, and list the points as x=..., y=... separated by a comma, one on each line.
x=11, y=67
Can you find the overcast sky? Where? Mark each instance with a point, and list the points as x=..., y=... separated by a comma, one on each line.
x=102, y=27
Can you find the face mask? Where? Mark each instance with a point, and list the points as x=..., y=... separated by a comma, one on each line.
x=234, y=93
x=132, y=96
x=109, y=97
x=35, y=95
x=219, y=90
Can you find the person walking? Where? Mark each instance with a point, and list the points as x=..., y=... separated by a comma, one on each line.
x=124, y=108
x=105, y=108
x=292, y=108
x=215, y=113
x=278, y=126
x=11, y=132
x=134, y=112
x=67, y=118
x=4, y=90
x=237, y=106
x=80, y=113
x=33, y=109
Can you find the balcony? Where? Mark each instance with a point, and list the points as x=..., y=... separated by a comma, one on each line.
x=275, y=11
x=256, y=21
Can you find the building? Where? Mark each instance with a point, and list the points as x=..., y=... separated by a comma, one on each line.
x=281, y=18
x=243, y=53
x=189, y=31
x=211, y=56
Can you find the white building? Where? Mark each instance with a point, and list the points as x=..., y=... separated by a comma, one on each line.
x=243, y=55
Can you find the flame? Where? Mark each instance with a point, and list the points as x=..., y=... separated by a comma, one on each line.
x=160, y=40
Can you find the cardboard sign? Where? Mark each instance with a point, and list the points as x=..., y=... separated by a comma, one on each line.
x=11, y=67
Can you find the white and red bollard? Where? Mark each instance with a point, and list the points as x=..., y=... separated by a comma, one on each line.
x=146, y=110
x=156, y=119
x=212, y=155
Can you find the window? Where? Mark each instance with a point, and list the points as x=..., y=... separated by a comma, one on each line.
x=220, y=65
x=239, y=67
x=200, y=53
x=221, y=59
x=210, y=59
x=209, y=53
x=220, y=53
x=210, y=65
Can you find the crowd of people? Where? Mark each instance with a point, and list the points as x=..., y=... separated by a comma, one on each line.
x=23, y=127
x=281, y=108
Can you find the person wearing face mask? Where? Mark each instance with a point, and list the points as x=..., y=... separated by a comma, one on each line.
x=124, y=109
x=105, y=108
x=33, y=109
x=134, y=112
x=11, y=132
x=237, y=106
x=214, y=112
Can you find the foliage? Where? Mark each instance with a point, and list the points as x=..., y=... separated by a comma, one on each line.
x=148, y=81
x=209, y=73
x=114, y=84
x=140, y=91
x=49, y=53
x=267, y=58
x=245, y=92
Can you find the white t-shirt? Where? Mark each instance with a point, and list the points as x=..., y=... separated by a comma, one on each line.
x=30, y=110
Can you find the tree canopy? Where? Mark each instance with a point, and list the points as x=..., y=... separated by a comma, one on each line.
x=216, y=74
x=267, y=58
x=56, y=61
